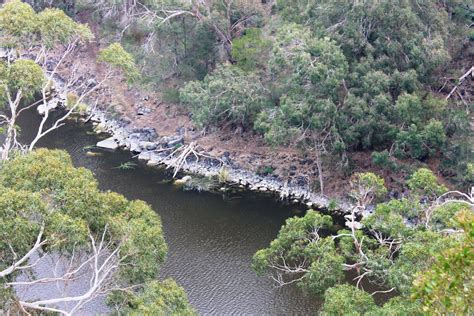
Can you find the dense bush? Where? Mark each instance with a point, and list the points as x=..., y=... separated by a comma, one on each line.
x=227, y=95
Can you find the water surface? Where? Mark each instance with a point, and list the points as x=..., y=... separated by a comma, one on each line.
x=211, y=238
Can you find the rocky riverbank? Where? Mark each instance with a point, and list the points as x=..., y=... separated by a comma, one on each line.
x=156, y=150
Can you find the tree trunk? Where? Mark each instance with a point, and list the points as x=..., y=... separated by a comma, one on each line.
x=320, y=171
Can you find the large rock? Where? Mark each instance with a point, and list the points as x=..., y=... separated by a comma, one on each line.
x=183, y=180
x=145, y=133
x=108, y=143
x=148, y=145
x=135, y=145
x=144, y=156
x=172, y=141
x=50, y=105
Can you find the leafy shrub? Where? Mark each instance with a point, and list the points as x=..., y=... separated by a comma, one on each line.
x=227, y=95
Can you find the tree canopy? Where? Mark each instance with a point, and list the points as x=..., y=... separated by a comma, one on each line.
x=408, y=245
x=42, y=191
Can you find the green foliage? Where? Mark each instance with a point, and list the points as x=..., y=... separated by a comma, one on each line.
x=159, y=298
x=383, y=160
x=447, y=288
x=347, y=300
x=443, y=215
x=43, y=186
x=393, y=52
x=55, y=27
x=170, y=95
x=17, y=207
x=310, y=70
x=389, y=218
x=326, y=267
x=299, y=241
x=424, y=182
x=469, y=174
x=250, y=49
x=117, y=57
x=18, y=22
x=224, y=175
x=26, y=76
x=416, y=255
x=395, y=245
x=227, y=95
x=399, y=305
x=367, y=186
x=265, y=170
x=22, y=27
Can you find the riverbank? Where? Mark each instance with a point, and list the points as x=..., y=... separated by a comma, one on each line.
x=157, y=150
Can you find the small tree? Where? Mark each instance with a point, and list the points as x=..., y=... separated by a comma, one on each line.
x=310, y=71
x=227, y=95
x=25, y=34
x=227, y=19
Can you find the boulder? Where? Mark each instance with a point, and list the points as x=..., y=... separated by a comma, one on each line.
x=135, y=145
x=92, y=82
x=144, y=156
x=143, y=110
x=3, y=53
x=183, y=180
x=172, y=141
x=152, y=163
x=145, y=133
x=108, y=143
x=148, y=145
x=52, y=104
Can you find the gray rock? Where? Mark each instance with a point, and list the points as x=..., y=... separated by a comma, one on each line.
x=92, y=82
x=50, y=105
x=148, y=145
x=180, y=130
x=174, y=140
x=3, y=53
x=152, y=163
x=135, y=145
x=144, y=156
x=145, y=133
x=143, y=110
x=108, y=143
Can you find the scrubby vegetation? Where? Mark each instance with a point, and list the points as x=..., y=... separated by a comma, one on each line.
x=330, y=77
x=334, y=78
x=418, y=248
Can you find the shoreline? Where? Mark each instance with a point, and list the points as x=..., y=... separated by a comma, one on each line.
x=155, y=150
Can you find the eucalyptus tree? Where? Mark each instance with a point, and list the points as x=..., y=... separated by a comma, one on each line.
x=401, y=242
x=37, y=46
x=310, y=72
x=52, y=210
x=227, y=19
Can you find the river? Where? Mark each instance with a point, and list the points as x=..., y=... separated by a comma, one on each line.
x=211, y=238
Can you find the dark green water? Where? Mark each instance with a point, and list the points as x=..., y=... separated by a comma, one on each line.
x=211, y=239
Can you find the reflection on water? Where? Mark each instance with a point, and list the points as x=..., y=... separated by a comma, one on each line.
x=211, y=240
